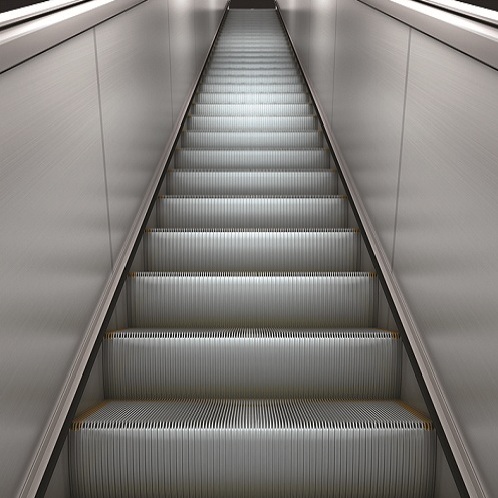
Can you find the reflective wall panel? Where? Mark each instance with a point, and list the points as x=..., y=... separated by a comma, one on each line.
x=135, y=92
x=55, y=253
x=322, y=50
x=447, y=237
x=369, y=90
x=182, y=37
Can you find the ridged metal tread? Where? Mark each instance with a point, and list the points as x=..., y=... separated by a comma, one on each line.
x=249, y=123
x=252, y=158
x=247, y=139
x=254, y=363
x=233, y=88
x=252, y=73
x=251, y=448
x=256, y=64
x=260, y=79
x=181, y=250
x=264, y=299
x=251, y=212
x=250, y=182
x=252, y=110
x=252, y=98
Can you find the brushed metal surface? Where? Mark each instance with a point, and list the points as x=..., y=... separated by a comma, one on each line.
x=322, y=50
x=297, y=17
x=470, y=36
x=252, y=447
x=369, y=86
x=207, y=16
x=252, y=363
x=28, y=39
x=182, y=37
x=134, y=76
x=447, y=240
x=55, y=254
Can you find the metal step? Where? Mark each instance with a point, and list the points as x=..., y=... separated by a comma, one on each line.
x=252, y=110
x=184, y=250
x=247, y=139
x=251, y=212
x=251, y=123
x=252, y=158
x=246, y=448
x=253, y=363
x=251, y=80
x=221, y=88
x=252, y=73
x=279, y=300
x=256, y=65
x=256, y=182
x=252, y=98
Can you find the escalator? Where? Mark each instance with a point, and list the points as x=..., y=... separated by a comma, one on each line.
x=252, y=365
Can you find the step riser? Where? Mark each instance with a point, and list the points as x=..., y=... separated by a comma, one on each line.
x=251, y=183
x=257, y=159
x=159, y=365
x=252, y=251
x=246, y=140
x=251, y=213
x=252, y=80
x=200, y=457
x=263, y=123
x=234, y=88
x=249, y=64
x=252, y=98
x=252, y=110
x=251, y=301
x=248, y=73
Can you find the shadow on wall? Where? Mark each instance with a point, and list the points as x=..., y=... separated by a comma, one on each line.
x=252, y=4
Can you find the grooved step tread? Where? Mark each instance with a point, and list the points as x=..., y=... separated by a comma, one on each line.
x=255, y=363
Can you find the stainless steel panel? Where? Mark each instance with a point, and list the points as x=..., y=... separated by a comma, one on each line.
x=132, y=53
x=322, y=50
x=55, y=254
x=369, y=86
x=182, y=37
x=447, y=241
x=297, y=17
x=207, y=16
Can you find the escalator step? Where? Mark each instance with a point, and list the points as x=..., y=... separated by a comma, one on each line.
x=257, y=140
x=252, y=80
x=252, y=98
x=258, y=182
x=261, y=88
x=252, y=110
x=248, y=448
x=280, y=300
x=252, y=158
x=251, y=250
x=254, y=363
x=249, y=123
x=255, y=64
x=251, y=212
x=249, y=73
